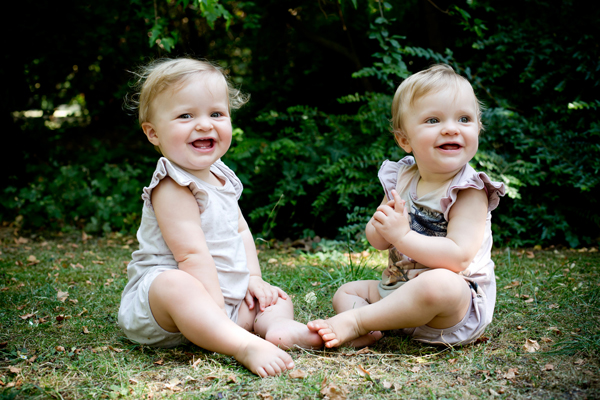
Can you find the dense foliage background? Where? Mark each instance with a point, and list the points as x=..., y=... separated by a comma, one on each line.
x=321, y=75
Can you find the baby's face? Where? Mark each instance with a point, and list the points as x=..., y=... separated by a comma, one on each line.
x=191, y=125
x=442, y=131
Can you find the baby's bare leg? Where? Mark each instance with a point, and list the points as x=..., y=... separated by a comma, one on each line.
x=351, y=296
x=180, y=303
x=276, y=324
x=438, y=298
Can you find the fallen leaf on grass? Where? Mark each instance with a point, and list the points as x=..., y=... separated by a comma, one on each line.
x=363, y=372
x=32, y=359
x=118, y=350
x=511, y=373
x=298, y=374
x=579, y=361
x=195, y=363
x=482, y=339
x=59, y=348
x=529, y=301
x=62, y=296
x=452, y=360
x=553, y=306
x=530, y=254
x=27, y=316
x=364, y=350
x=415, y=369
x=82, y=312
x=265, y=396
x=159, y=362
x=494, y=393
x=14, y=370
x=531, y=346
x=513, y=284
x=460, y=380
x=85, y=330
x=555, y=330
x=548, y=367
x=21, y=240
x=97, y=262
x=331, y=391
x=172, y=385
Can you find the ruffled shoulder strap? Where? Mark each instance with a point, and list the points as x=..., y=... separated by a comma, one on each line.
x=469, y=178
x=164, y=168
x=220, y=168
x=388, y=173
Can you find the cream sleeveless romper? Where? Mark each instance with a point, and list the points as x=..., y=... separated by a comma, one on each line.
x=219, y=218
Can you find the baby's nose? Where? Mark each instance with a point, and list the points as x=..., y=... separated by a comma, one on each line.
x=204, y=125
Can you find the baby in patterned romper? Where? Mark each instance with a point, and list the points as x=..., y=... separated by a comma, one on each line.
x=435, y=221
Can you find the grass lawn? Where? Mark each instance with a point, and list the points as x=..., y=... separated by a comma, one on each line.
x=59, y=337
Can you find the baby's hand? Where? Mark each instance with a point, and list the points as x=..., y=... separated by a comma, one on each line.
x=266, y=294
x=391, y=219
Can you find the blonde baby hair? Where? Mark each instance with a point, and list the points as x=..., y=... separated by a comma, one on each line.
x=431, y=80
x=159, y=75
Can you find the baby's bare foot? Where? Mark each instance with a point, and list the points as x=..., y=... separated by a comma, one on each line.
x=287, y=334
x=263, y=358
x=365, y=340
x=341, y=329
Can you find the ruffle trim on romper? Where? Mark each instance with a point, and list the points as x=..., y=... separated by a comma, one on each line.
x=465, y=179
x=474, y=180
x=165, y=168
x=388, y=174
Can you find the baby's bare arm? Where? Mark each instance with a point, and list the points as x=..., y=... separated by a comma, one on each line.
x=266, y=294
x=466, y=227
x=178, y=217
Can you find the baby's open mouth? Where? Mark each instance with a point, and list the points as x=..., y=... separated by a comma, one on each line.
x=203, y=143
x=450, y=146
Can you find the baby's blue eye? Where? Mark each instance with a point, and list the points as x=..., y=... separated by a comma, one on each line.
x=432, y=121
x=464, y=120
x=216, y=114
x=185, y=116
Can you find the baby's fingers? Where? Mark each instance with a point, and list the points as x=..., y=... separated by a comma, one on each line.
x=281, y=293
x=398, y=202
x=249, y=300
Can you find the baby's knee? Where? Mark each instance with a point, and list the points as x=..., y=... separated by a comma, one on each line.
x=442, y=287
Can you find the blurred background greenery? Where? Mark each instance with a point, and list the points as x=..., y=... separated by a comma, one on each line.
x=321, y=75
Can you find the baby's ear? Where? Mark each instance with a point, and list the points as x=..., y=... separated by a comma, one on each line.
x=150, y=133
x=402, y=141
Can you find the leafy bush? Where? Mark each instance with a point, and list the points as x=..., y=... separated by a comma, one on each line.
x=98, y=195
x=309, y=144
